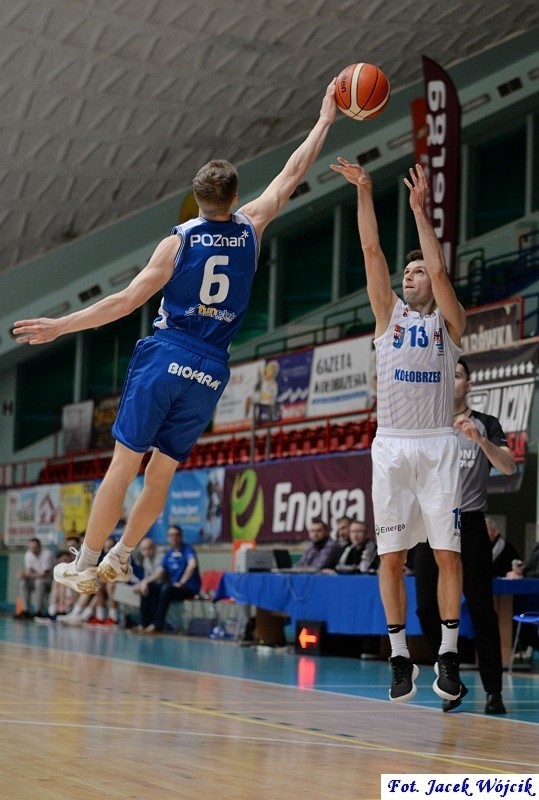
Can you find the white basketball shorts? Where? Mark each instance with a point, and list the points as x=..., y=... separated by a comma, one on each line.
x=416, y=492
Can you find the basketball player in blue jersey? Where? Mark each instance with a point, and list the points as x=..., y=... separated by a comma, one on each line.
x=205, y=269
x=416, y=483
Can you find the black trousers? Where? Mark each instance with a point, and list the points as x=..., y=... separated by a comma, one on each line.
x=476, y=555
x=167, y=595
x=148, y=603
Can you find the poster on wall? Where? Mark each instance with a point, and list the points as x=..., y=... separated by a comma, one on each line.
x=493, y=326
x=77, y=421
x=194, y=502
x=276, y=502
x=104, y=415
x=503, y=385
x=236, y=407
x=342, y=378
x=76, y=502
x=33, y=512
x=284, y=388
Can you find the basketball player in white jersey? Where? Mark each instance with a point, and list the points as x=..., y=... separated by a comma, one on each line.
x=416, y=483
x=205, y=269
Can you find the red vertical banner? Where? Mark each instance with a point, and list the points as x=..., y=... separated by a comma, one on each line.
x=443, y=146
x=421, y=150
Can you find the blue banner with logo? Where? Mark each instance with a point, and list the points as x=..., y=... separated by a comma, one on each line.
x=194, y=502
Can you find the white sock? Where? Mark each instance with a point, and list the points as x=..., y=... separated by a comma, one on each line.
x=87, y=558
x=397, y=640
x=86, y=613
x=450, y=633
x=101, y=613
x=122, y=551
x=113, y=614
x=52, y=610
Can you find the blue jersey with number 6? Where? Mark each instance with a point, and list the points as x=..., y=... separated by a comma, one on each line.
x=208, y=293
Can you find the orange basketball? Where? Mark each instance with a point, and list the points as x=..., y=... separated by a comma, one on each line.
x=362, y=91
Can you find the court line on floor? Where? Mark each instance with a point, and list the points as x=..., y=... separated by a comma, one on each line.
x=334, y=737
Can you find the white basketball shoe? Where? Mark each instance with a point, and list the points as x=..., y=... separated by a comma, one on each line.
x=82, y=581
x=113, y=570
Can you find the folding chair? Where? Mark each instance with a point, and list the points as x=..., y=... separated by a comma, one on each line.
x=526, y=618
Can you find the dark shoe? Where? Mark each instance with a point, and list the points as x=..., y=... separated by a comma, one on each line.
x=22, y=615
x=447, y=685
x=451, y=705
x=495, y=704
x=44, y=619
x=405, y=672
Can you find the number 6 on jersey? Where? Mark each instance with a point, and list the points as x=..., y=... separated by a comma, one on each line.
x=211, y=278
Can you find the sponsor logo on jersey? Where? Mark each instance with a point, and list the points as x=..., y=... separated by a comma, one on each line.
x=439, y=339
x=220, y=314
x=417, y=376
x=218, y=239
x=398, y=336
x=467, y=458
x=185, y=371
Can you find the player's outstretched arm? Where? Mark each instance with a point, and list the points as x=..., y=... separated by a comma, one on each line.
x=149, y=281
x=444, y=293
x=262, y=210
x=381, y=295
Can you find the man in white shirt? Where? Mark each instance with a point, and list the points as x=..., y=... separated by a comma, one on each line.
x=35, y=577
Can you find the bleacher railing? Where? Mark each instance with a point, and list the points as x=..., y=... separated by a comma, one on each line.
x=265, y=441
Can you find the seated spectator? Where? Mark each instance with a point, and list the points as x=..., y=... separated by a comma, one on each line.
x=529, y=635
x=103, y=603
x=94, y=609
x=342, y=532
x=323, y=552
x=530, y=569
x=61, y=598
x=35, y=577
x=361, y=554
x=149, y=560
x=82, y=611
x=503, y=552
x=178, y=575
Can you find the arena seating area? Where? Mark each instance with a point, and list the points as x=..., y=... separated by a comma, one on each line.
x=274, y=442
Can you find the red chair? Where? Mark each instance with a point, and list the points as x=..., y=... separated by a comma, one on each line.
x=319, y=440
x=297, y=444
x=336, y=434
x=276, y=444
x=203, y=600
x=261, y=447
x=243, y=451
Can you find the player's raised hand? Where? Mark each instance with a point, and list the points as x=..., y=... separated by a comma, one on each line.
x=353, y=173
x=36, y=331
x=418, y=186
x=329, y=105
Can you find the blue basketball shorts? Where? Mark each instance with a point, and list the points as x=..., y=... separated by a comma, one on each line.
x=172, y=386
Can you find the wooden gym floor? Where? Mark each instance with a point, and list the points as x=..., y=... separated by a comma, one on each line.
x=92, y=714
